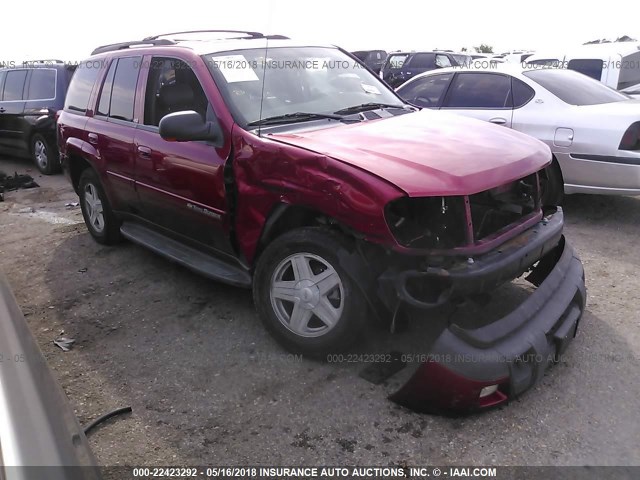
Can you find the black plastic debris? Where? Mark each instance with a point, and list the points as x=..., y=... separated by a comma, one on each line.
x=8, y=182
x=64, y=343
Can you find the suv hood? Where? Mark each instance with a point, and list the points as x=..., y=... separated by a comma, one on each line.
x=428, y=152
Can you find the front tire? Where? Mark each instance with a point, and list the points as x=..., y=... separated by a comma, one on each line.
x=44, y=156
x=304, y=297
x=102, y=224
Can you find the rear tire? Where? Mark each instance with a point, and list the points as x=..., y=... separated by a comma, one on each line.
x=44, y=156
x=102, y=224
x=552, y=185
x=304, y=297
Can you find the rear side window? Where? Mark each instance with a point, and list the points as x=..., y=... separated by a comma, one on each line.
x=14, y=85
x=105, y=94
x=396, y=62
x=2, y=75
x=423, y=60
x=522, y=93
x=479, y=90
x=590, y=68
x=123, y=93
x=42, y=85
x=427, y=91
x=81, y=86
x=573, y=88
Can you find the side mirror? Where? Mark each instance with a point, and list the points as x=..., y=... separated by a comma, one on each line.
x=187, y=126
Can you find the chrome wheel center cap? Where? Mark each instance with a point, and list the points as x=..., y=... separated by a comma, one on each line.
x=308, y=293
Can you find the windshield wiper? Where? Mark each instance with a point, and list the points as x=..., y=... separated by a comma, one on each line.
x=366, y=106
x=294, y=117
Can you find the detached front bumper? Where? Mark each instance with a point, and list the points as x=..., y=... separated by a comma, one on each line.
x=472, y=369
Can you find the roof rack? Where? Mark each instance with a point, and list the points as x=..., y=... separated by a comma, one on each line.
x=122, y=45
x=46, y=61
x=242, y=32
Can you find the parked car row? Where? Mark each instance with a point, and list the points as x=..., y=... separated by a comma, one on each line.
x=329, y=196
x=563, y=108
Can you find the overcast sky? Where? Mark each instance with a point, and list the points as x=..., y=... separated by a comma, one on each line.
x=69, y=30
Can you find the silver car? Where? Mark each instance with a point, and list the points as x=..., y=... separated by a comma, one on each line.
x=593, y=131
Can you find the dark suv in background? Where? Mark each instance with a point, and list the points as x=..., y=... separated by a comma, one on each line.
x=30, y=95
x=374, y=59
x=403, y=66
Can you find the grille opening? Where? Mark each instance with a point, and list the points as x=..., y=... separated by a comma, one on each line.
x=495, y=209
x=432, y=222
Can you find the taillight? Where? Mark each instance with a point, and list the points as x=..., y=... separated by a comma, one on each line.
x=631, y=138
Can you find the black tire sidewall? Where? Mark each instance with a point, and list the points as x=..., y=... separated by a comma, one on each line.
x=325, y=244
x=110, y=233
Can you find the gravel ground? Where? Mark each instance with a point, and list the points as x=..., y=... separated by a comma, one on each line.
x=209, y=386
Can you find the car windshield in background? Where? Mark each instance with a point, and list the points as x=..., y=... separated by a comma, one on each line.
x=575, y=88
x=310, y=80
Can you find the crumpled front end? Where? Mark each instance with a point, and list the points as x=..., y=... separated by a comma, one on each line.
x=470, y=369
x=458, y=248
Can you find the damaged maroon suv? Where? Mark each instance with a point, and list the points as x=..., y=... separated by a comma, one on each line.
x=291, y=169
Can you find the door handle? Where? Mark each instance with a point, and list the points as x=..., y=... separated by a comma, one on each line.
x=498, y=120
x=93, y=138
x=2, y=110
x=144, y=152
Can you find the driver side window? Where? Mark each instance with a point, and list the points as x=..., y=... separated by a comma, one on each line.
x=427, y=91
x=172, y=87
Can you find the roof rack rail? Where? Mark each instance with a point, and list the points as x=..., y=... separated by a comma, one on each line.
x=47, y=61
x=242, y=32
x=122, y=45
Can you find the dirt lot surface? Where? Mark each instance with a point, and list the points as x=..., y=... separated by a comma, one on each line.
x=209, y=386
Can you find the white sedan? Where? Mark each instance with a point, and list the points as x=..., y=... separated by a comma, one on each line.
x=592, y=130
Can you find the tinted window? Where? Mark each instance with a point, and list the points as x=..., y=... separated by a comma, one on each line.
x=422, y=60
x=2, y=75
x=575, y=88
x=105, y=94
x=479, y=90
x=81, y=86
x=42, y=85
x=14, y=85
x=396, y=62
x=123, y=92
x=427, y=91
x=590, y=68
x=630, y=73
x=462, y=59
x=522, y=93
x=172, y=87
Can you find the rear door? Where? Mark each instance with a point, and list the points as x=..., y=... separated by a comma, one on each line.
x=483, y=95
x=180, y=184
x=112, y=128
x=12, y=110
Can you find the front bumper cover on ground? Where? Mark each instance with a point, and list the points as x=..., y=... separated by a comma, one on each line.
x=470, y=369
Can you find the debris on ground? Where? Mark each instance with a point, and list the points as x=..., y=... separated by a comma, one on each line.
x=8, y=183
x=64, y=343
x=71, y=205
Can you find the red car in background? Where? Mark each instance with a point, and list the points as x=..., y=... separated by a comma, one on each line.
x=291, y=169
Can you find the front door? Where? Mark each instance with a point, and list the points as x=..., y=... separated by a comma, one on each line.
x=180, y=185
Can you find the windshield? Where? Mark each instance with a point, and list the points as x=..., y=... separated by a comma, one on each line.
x=314, y=80
x=575, y=88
